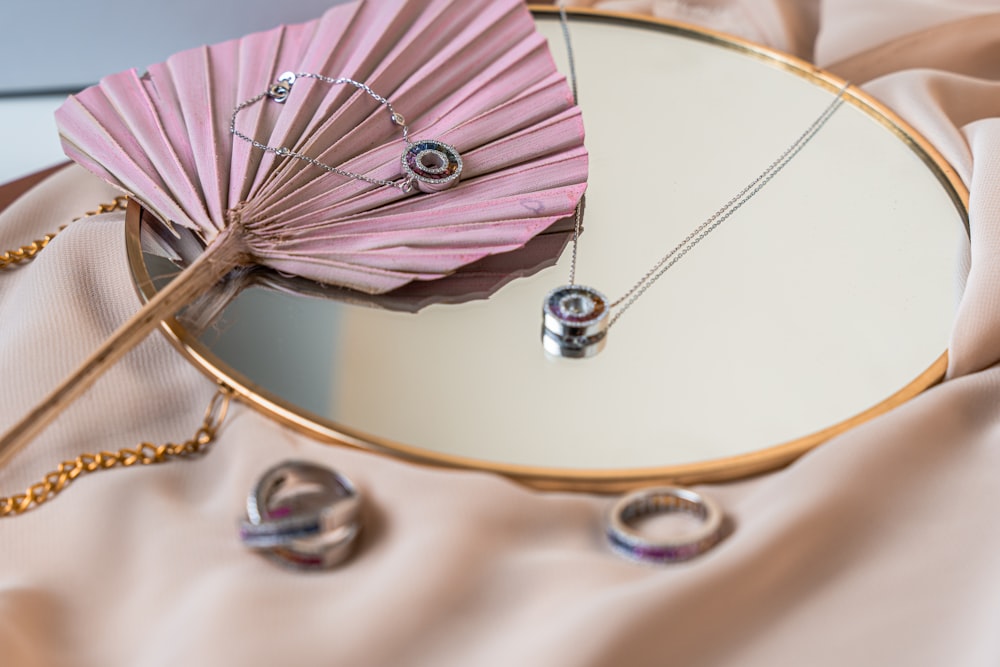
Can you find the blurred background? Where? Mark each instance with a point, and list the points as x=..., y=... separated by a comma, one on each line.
x=55, y=47
x=82, y=41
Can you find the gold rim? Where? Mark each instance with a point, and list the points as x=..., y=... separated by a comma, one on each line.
x=569, y=479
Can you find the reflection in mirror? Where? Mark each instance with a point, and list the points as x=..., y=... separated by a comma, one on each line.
x=824, y=301
x=477, y=280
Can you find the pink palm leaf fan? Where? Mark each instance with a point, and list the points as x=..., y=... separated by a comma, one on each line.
x=473, y=80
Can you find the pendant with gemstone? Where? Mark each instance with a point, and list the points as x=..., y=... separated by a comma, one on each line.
x=432, y=165
x=575, y=322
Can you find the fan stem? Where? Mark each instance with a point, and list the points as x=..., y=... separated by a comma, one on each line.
x=222, y=255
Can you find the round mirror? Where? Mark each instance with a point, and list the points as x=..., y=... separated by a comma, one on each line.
x=824, y=300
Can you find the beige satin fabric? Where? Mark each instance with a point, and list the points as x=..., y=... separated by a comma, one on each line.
x=881, y=547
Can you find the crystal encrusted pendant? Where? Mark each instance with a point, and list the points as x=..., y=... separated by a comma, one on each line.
x=574, y=322
x=432, y=165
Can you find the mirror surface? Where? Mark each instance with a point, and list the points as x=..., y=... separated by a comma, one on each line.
x=830, y=294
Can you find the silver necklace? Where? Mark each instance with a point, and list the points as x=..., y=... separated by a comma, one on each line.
x=429, y=165
x=576, y=318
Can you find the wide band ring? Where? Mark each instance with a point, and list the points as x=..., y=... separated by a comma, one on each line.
x=302, y=515
x=627, y=540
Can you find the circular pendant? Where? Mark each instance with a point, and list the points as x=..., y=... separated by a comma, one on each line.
x=574, y=322
x=432, y=165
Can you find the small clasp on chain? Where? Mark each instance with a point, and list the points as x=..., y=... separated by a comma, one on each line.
x=280, y=90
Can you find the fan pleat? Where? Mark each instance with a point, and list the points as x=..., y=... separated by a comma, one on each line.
x=517, y=207
x=198, y=101
x=444, y=38
x=88, y=139
x=369, y=280
x=260, y=58
x=537, y=143
x=538, y=104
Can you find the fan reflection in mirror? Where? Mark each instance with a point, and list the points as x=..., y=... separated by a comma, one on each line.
x=476, y=281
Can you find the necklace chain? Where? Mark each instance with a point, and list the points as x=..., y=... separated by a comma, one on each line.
x=279, y=92
x=28, y=252
x=571, y=57
x=698, y=234
x=144, y=454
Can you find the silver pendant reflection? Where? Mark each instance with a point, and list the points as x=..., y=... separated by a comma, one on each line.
x=574, y=322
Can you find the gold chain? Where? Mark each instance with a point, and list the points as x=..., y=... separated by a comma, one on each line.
x=26, y=253
x=145, y=454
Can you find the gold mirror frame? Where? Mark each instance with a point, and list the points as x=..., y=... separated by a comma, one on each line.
x=569, y=479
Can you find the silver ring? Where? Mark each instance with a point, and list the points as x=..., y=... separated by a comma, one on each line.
x=626, y=539
x=302, y=515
